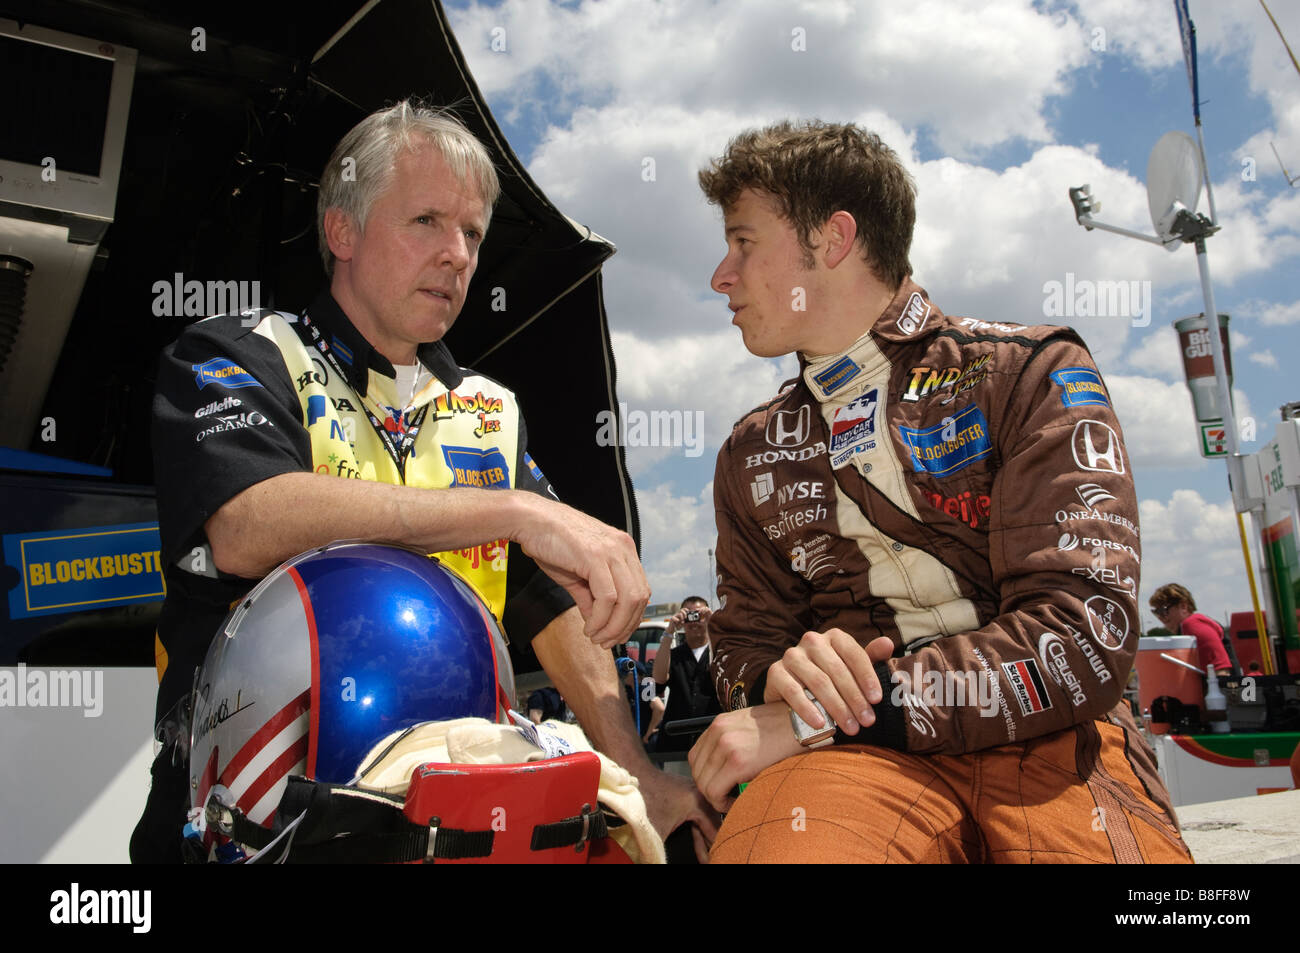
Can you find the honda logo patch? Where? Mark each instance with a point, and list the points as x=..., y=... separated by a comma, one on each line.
x=789, y=428
x=1096, y=447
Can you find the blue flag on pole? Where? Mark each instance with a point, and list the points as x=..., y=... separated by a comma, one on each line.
x=1188, y=32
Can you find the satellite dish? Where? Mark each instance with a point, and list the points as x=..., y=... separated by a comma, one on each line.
x=1173, y=181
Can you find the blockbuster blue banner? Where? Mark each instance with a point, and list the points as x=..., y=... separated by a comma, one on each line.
x=71, y=570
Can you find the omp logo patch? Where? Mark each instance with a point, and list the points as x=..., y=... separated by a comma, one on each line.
x=914, y=315
x=220, y=370
x=471, y=466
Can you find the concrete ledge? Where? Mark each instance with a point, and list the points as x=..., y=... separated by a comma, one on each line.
x=1264, y=829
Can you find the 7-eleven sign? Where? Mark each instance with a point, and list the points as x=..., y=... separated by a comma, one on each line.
x=1214, y=439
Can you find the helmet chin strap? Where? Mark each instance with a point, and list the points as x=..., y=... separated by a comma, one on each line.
x=275, y=852
x=331, y=823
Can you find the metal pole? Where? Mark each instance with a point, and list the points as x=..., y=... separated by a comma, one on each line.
x=712, y=587
x=1205, y=172
x=1268, y=597
x=1216, y=351
x=1236, y=476
x=1265, y=653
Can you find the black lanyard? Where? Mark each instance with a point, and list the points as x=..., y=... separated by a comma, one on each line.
x=398, y=450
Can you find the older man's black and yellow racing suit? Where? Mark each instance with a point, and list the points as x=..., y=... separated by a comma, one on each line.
x=245, y=397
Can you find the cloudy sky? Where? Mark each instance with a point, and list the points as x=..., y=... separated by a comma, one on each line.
x=996, y=108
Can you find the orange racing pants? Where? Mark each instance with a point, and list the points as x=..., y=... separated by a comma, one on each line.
x=1067, y=797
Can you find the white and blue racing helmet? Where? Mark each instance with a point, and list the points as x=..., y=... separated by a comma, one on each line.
x=332, y=652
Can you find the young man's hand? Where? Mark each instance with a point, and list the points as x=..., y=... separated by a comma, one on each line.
x=737, y=746
x=839, y=672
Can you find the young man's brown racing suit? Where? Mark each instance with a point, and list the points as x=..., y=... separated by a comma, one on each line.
x=962, y=487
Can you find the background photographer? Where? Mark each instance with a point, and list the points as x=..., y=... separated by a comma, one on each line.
x=684, y=668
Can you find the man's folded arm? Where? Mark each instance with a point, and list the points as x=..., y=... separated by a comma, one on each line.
x=1060, y=650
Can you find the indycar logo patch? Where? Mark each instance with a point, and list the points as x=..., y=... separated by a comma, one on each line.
x=853, y=428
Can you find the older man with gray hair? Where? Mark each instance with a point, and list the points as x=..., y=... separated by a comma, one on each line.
x=326, y=433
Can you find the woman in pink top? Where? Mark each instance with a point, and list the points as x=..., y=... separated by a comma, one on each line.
x=1176, y=609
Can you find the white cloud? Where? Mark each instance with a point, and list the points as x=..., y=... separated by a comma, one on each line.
x=1144, y=32
x=603, y=86
x=1189, y=540
x=1157, y=419
x=1271, y=313
x=1147, y=33
x=677, y=533
x=1233, y=29
x=709, y=374
x=1255, y=237
x=976, y=74
x=991, y=243
x=671, y=82
x=1156, y=354
x=669, y=238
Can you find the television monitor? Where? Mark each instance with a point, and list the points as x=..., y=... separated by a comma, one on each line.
x=62, y=127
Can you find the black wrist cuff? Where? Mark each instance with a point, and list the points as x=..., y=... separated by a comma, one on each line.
x=889, y=730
